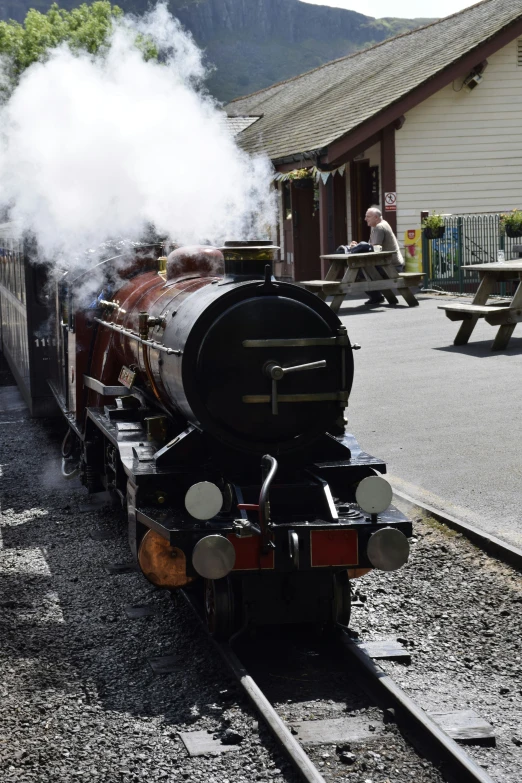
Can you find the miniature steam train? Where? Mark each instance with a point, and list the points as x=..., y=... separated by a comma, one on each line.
x=209, y=398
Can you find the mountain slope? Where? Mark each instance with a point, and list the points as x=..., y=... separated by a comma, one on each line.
x=253, y=43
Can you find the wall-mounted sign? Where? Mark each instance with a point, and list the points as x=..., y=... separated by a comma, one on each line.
x=390, y=202
x=413, y=250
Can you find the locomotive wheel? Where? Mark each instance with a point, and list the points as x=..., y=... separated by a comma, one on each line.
x=219, y=608
x=342, y=599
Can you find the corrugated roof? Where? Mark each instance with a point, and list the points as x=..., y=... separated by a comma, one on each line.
x=310, y=111
x=238, y=124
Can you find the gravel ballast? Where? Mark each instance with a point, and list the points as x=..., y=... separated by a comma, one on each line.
x=80, y=701
x=459, y=613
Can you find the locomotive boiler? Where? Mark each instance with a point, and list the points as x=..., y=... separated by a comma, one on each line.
x=209, y=398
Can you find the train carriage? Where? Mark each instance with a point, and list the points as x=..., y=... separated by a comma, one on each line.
x=27, y=333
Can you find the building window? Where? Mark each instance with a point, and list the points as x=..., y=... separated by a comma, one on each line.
x=519, y=52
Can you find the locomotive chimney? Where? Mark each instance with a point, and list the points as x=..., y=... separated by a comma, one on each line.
x=247, y=260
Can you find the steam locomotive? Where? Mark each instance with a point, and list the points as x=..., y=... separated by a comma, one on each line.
x=209, y=398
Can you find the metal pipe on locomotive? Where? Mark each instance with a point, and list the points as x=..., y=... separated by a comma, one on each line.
x=209, y=398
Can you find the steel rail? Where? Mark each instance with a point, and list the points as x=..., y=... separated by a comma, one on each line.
x=280, y=731
x=455, y=762
x=282, y=734
x=389, y=694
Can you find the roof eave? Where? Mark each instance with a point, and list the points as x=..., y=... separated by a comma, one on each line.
x=339, y=150
x=304, y=159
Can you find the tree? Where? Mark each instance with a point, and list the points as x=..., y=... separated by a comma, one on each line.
x=84, y=28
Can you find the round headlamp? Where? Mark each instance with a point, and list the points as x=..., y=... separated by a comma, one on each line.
x=204, y=500
x=374, y=494
x=213, y=557
x=388, y=549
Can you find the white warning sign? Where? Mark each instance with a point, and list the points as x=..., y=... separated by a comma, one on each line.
x=390, y=202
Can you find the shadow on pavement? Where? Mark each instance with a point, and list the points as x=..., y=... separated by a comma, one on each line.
x=346, y=309
x=482, y=348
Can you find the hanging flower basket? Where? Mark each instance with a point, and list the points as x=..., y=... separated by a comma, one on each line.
x=303, y=183
x=511, y=223
x=435, y=233
x=301, y=178
x=433, y=226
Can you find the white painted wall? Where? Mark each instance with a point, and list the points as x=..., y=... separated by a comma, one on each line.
x=461, y=151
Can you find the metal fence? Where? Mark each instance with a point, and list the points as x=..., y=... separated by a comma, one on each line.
x=469, y=239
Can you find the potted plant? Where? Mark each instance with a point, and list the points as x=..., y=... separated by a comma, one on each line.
x=511, y=223
x=433, y=226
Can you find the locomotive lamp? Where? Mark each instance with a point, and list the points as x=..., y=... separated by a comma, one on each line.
x=204, y=500
x=374, y=494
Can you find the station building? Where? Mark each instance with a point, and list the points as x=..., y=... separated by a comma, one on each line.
x=430, y=120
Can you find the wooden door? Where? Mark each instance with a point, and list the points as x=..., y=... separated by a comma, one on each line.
x=362, y=194
x=286, y=266
x=305, y=217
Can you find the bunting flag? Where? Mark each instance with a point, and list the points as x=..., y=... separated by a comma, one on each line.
x=315, y=173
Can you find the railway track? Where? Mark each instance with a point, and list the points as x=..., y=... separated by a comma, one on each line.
x=422, y=731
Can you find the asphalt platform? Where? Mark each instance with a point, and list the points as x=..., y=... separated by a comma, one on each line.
x=445, y=418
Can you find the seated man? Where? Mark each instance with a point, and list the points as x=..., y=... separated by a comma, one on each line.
x=382, y=234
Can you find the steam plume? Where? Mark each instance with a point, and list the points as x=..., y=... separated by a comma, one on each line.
x=97, y=147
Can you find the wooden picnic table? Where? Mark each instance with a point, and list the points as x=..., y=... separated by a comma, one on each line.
x=379, y=274
x=505, y=315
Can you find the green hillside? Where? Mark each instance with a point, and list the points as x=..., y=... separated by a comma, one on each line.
x=250, y=44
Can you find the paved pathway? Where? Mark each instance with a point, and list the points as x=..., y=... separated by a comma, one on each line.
x=446, y=419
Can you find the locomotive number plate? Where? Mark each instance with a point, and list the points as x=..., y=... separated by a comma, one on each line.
x=127, y=377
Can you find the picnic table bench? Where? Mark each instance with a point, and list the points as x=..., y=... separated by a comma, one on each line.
x=379, y=274
x=505, y=315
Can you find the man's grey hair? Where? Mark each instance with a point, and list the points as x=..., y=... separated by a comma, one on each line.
x=375, y=211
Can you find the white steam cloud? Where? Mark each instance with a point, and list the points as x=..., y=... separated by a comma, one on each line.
x=99, y=147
